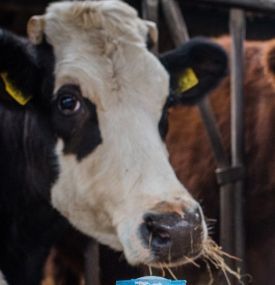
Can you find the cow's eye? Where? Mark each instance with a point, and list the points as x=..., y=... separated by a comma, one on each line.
x=68, y=100
x=68, y=104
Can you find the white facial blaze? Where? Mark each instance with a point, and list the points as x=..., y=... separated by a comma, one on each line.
x=101, y=47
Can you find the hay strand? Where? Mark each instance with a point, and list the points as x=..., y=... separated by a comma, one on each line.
x=214, y=254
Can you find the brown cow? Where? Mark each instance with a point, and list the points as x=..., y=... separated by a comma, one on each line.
x=193, y=160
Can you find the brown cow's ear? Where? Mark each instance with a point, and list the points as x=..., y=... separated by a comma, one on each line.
x=195, y=68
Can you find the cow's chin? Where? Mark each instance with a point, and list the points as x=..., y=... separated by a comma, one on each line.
x=165, y=263
x=144, y=256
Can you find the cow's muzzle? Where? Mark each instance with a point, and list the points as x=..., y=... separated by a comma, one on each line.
x=172, y=237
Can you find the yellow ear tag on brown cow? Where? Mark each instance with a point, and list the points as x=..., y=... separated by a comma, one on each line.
x=187, y=80
x=16, y=94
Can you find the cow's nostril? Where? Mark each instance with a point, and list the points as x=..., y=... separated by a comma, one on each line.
x=160, y=238
x=149, y=223
x=158, y=234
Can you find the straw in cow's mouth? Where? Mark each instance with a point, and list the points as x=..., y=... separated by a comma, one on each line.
x=213, y=254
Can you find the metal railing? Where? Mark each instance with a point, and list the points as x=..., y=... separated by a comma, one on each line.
x=258, y=5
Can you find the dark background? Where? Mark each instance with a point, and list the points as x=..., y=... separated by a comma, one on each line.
x=201, y=19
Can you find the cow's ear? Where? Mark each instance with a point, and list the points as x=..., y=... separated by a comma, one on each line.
x=195, y=68
x=18, y=70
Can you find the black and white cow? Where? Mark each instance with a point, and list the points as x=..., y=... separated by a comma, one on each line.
x=82, y=108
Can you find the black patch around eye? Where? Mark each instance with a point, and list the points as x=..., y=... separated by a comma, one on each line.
x=88, y=136
x=80, y=133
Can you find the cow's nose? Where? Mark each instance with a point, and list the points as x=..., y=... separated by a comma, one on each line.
x=170, y=236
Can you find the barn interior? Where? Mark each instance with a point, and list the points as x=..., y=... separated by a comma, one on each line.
x=209, y=20
x=202, y=19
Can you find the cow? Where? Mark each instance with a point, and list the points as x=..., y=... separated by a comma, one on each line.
x=192, y=157
x=83, y=117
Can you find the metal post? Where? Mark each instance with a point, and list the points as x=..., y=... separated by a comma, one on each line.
x=214, y=135
x=226, y=189
x=150, y=10
x=92, y=267
x=175, y=21
x=257, y=5
x=237, y=30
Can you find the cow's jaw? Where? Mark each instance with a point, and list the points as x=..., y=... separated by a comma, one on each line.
x=109, y=192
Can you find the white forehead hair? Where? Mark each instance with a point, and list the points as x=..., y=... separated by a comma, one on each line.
x=101, y=46
x=116, y=17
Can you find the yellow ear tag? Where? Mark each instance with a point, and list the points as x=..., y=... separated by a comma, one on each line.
x=16, y=94
x=187, y=80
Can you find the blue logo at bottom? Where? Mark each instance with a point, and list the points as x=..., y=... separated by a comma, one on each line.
x=151, y=280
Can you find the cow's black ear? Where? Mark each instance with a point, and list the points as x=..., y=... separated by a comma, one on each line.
x=18, y=69
x=195, y=68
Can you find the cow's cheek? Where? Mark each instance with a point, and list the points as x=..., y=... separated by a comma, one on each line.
x=82, y=198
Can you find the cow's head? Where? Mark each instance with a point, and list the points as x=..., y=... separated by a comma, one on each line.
x=106, y=94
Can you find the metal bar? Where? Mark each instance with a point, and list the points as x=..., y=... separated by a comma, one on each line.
x=226, y=198
x=92, y=267
x=237, y=30
x=150, y=10
x=175, y=21
x=213, y=133
x=261, y=5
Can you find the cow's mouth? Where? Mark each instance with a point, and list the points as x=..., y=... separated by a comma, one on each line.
x=160, y=264
x=210, y=253
x=185, y=255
